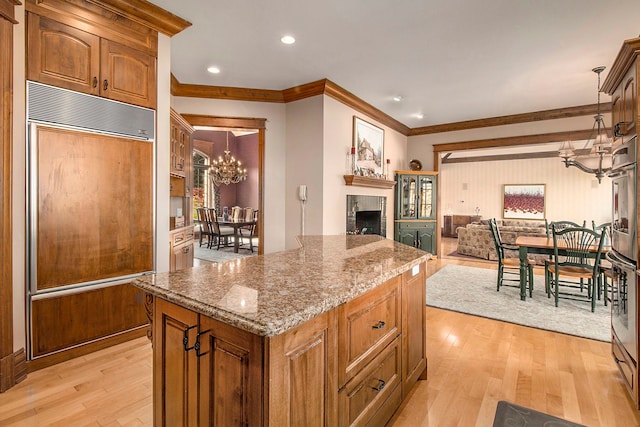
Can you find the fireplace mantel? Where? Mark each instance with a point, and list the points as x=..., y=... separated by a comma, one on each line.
x=367, y=181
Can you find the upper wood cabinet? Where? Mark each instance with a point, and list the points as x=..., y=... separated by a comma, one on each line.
x=64, y=56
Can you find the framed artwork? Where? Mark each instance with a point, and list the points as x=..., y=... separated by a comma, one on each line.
x=369, y=142
x=523, y=201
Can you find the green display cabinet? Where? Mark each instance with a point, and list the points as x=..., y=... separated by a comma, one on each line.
x=415, y=209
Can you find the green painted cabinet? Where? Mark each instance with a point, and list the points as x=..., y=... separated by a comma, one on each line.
x=415, y=209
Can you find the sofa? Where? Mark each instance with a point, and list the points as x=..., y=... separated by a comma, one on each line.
x=475, y=239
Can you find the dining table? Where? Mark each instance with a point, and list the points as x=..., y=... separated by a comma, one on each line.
x=236, y=224
x=540, y=245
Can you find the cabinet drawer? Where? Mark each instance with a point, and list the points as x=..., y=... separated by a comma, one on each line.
x=367, y=325
x=416, y=225
x=625, y=365
x=373, y=395
x=178, y=237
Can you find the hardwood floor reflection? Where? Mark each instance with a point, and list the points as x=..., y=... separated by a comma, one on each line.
x=473, y=363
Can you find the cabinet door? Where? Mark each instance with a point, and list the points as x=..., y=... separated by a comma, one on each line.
x=62, y=56
x=405, y=235
x=302, y=371
x=426, y=197
x=230, y=365
x=127, y=74
x=175, y=371
x=406, y=205
x=427, y=238
x=414, y=327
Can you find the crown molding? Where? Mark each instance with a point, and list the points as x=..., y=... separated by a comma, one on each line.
x=147, y=14
x=328, y=88
x=627, y=54
x=575, y=135
x=558, y=113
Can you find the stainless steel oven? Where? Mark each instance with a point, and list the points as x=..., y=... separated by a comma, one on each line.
x=623, y=303
x=623, y=178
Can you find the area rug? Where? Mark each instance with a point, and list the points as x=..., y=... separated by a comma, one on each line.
x=473, y=291
x=512, y=415
x=224, y=254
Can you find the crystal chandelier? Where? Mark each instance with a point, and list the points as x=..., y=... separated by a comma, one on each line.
x=227, y=170
x=598, y=160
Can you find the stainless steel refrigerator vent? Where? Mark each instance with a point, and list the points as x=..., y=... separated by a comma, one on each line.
x=62, y=107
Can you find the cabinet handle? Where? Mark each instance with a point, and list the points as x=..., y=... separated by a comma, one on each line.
x=197, y=344
x=95, y=81
x=379, y=325
x=185, y=338
x=105, y=84
x=380, y=386
x=187, y=250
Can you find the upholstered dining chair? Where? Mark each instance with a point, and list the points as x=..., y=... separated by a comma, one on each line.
x=222, y=234
x=509, y=265
x=576, y=258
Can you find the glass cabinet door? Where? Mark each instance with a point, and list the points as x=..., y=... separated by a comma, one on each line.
x=426, y=201
x=408, y=196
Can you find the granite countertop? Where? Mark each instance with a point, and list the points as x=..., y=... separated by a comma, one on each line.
x=269, y=294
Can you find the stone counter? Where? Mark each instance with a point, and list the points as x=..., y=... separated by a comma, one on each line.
x=270, y=294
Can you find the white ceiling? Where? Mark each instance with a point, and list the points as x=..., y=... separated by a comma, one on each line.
x=451, y=60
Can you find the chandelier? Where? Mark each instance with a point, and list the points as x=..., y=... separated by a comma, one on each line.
x=597, y=160
x=227, y=170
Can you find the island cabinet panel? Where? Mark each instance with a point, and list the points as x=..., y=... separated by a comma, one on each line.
x=414, y=327
x=302, y=366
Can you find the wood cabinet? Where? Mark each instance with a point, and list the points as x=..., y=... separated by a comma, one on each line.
x=72, y=58
x=181, y=254
x=415, y=210
x=624, y=106
x=181, y=148
x=452, y=222
x=349, y=366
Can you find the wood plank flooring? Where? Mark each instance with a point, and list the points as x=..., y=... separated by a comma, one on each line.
x=473, y=363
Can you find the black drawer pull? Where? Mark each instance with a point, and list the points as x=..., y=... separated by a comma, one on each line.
x=380, y=386
x=379, y=325
x=105, y=84
x=95, y=81
x=185, y=338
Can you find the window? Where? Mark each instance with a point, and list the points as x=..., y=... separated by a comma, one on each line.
x=201, y=187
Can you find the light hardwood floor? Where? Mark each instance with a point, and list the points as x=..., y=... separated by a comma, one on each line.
x=473, y=363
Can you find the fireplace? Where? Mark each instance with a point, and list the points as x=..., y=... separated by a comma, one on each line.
x=367, y=215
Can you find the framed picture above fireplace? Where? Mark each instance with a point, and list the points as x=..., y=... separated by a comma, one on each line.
x=368, y=140
x=523, y=201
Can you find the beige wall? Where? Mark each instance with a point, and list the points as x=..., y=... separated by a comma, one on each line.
x=570, y=194
x=275, y=154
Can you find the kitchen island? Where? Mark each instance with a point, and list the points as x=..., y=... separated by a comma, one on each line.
x=332, y=333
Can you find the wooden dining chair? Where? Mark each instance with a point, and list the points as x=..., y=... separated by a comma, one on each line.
x=205, y=225
x=576, y=259
x=509, y=265
x=605, y=278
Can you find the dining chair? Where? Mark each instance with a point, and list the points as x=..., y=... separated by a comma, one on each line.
x=204, y=222
x=222, y=234
x=253, y=234
x=605, y=278
x=508, y=265
x=561, y=225
x=576, y=258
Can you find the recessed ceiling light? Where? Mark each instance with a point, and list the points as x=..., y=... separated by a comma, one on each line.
x=419, y=116
x=288, y=40
x=213, y=70
x=397, y=98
